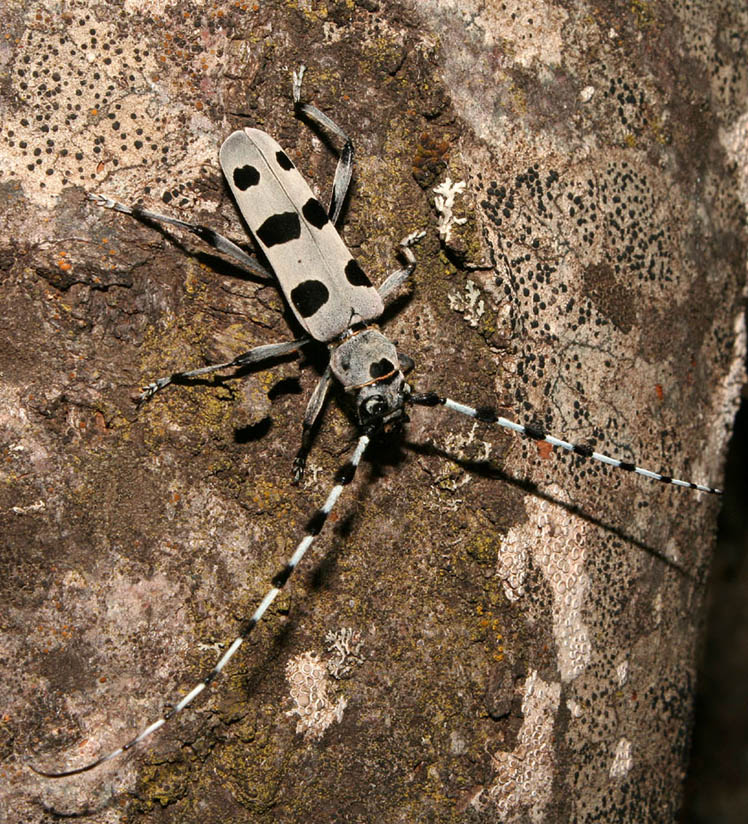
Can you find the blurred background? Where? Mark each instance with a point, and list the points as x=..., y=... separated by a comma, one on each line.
x=717, y=782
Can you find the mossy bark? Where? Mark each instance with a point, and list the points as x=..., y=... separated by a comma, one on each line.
x=516, y=630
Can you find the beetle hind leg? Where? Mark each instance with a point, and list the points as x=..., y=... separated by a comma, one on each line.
x=344, y=170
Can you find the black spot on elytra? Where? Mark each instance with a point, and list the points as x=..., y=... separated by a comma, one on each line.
x=380, y=368
x=355, y=274
x=284, y=161
x=309, y=296
x=279, y=228
x=314, y=213
x=246, y=176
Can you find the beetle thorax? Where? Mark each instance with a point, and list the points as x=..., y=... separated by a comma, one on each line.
x=366, y=364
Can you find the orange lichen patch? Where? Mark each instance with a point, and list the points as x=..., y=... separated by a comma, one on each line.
x=62, y=263
x=659, y=392
x=545, y=450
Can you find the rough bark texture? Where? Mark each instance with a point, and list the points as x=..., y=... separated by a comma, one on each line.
x=525, y=625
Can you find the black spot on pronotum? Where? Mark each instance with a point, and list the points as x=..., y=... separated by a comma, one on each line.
x=309, y=296
x=279, y=229
x=314, y=213
x=380, y=368
x=355, y=274
x=284, y=161
x=246, y=176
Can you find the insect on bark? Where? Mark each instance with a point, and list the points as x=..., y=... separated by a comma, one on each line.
x=335, y=304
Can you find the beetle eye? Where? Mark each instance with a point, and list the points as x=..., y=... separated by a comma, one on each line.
x=373, y=407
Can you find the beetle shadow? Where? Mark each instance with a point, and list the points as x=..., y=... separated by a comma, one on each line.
x=254, y=432
x=282, y=387
x=388, y=454
x=261, y=666
x=223, y=265
x=213, y=260
x=394, y=307
x=489, y=470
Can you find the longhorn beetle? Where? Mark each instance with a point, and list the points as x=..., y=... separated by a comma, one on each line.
x=335, y=303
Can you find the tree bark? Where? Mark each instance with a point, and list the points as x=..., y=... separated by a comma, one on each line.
x=491, y=631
